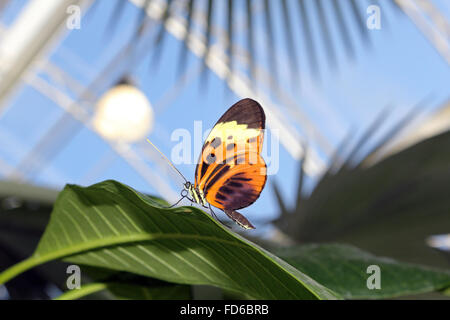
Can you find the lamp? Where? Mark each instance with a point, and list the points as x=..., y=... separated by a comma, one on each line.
x=123, y=113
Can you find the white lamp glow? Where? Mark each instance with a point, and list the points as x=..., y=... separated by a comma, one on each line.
x=123, y=114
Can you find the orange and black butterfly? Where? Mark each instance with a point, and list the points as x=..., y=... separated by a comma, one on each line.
x=230, y=172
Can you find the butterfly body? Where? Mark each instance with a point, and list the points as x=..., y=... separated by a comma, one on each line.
x=196, y=194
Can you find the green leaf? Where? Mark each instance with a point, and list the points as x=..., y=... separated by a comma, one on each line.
x=127, y=291
x=446, y=291
x=343, y=269
x=136, y=292
x=111, y=225
x=125, y=285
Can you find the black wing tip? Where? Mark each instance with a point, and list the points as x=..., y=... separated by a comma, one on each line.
x=250, y=101
x=255, y=115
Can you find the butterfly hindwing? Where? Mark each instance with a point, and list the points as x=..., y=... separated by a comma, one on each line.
x=236, y=186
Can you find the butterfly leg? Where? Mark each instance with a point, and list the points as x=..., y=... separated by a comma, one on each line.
x=191, y=200
x=183, y=195
x=213, y=214
x=175, y=203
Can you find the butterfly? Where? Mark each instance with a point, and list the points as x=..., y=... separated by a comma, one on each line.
x=230, y=172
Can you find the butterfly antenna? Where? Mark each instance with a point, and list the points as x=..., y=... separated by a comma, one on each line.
x=168, y=161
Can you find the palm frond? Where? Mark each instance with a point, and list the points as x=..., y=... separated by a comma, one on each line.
x=230, y=24
x=327, y=39
x=140, y=20
x=209, y=16
x=346, y=14
x=184, y=49
x=270, y=42
x=159, y=39
x=389, y=207
x=251, y=39
x=114, y=19
x=290, y=41
x=345, y=33
x=310, y=43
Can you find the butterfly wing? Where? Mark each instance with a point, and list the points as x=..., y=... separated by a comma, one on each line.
x=230, y=170
x=239, y=130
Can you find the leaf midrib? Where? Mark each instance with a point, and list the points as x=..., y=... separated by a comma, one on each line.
x=40, y=258
x=129, y=238
x=133, y=238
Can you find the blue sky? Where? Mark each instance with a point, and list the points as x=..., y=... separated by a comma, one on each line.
x=399, y=69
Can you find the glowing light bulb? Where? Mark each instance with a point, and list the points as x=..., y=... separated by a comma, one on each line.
x=123, y=114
